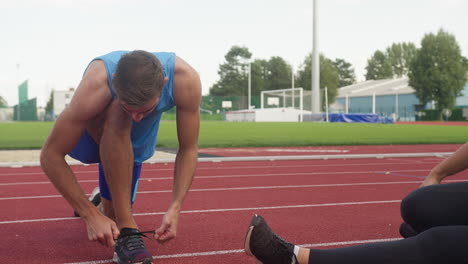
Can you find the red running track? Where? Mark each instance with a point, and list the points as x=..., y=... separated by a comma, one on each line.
x=309, y=202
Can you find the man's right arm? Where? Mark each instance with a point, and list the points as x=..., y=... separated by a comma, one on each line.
x=63, y=137
x=90, y=99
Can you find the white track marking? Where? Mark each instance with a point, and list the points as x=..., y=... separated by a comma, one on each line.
x=236, y=251
x=260, y=158
x=234, y=176
x=237, y=188
x=234, y=168
x=213, y=210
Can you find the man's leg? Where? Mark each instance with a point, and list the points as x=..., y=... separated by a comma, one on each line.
x=116, y=153
x=111, y=131
x=106, y=197
x=117, y=161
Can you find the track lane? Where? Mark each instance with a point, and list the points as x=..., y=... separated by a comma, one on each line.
x=203, y=232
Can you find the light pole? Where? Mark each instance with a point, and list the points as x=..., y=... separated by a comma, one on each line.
x=19, y=99
x=315, y=65
x=250, y=85
x=292, y=85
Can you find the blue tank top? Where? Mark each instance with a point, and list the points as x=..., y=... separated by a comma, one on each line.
x=145, y=132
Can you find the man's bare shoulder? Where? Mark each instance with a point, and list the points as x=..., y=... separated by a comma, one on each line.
x=96, y=74
x=183, y=69
x=93, y=93
x=187, y=86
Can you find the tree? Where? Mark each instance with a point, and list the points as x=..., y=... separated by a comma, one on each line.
x=465, y=62
x=270, y=74
x=328, y=77
x=259, y=80
x=3, y=102
x=278, y=74
x=438, y=72
x=400, y=56
x=345, y=72
x=378, y=67
x=50, y=104
x=233, y=73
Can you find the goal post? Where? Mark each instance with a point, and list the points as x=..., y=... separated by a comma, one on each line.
x=282, y=98
x=291, y=98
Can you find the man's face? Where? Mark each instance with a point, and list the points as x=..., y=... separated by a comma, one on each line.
x=138, y=113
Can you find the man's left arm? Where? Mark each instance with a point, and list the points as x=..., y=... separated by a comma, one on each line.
x=187, y=93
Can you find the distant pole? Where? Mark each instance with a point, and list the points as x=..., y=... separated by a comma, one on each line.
x=326, y=103
x=17, y=82
x=396, y=103
x=373, y=103
x=250, y=84
x=301, y=105
x=315, y=64
x=292, y=85
x=347, y=104
x=284, y=99
x=292, y=76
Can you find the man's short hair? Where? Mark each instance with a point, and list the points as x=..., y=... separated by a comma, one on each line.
x=138, y=78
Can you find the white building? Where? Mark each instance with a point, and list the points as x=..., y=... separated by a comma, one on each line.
x=6, y=114
x=61, y=100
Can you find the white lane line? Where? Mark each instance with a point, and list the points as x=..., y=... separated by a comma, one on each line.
x=44, y=182
x=213, y=210
x=236, y=251
x=234, y=176
x=267, y=158
x=241, y=188
x=235, y=168
x=238, y=188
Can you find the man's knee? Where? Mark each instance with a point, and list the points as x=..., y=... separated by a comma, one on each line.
x=116, y=120
x=113, y=119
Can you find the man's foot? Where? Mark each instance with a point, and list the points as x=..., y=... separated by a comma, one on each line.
x=94, y=198
x=130, y=248
x=262, y=243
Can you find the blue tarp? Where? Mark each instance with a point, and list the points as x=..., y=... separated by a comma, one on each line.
x=359, y=118
x=348, y=118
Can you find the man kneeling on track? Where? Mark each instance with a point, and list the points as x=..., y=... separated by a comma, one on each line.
x=113, y=119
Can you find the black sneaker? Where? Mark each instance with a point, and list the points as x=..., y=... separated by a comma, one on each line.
x=130, y=248
x=94, y=198
x=262, y=243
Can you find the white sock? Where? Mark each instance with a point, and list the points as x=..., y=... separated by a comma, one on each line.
x=296, y=253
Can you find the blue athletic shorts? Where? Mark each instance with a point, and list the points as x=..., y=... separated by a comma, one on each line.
x=87, y=151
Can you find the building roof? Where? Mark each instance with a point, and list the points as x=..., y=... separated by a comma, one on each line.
x=379, y=87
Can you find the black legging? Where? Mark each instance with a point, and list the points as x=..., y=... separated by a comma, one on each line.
x=438, y=216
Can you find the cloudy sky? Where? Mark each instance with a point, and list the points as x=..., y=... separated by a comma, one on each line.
x=50, y=42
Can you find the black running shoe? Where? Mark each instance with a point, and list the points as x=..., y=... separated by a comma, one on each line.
x=130, y=248
x=94, y=198
x=262, y=243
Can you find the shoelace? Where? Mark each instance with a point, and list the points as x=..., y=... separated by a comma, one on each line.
x=135, y=244
x=142, y=233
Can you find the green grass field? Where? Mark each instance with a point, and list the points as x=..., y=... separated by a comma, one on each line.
x=31, y=135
